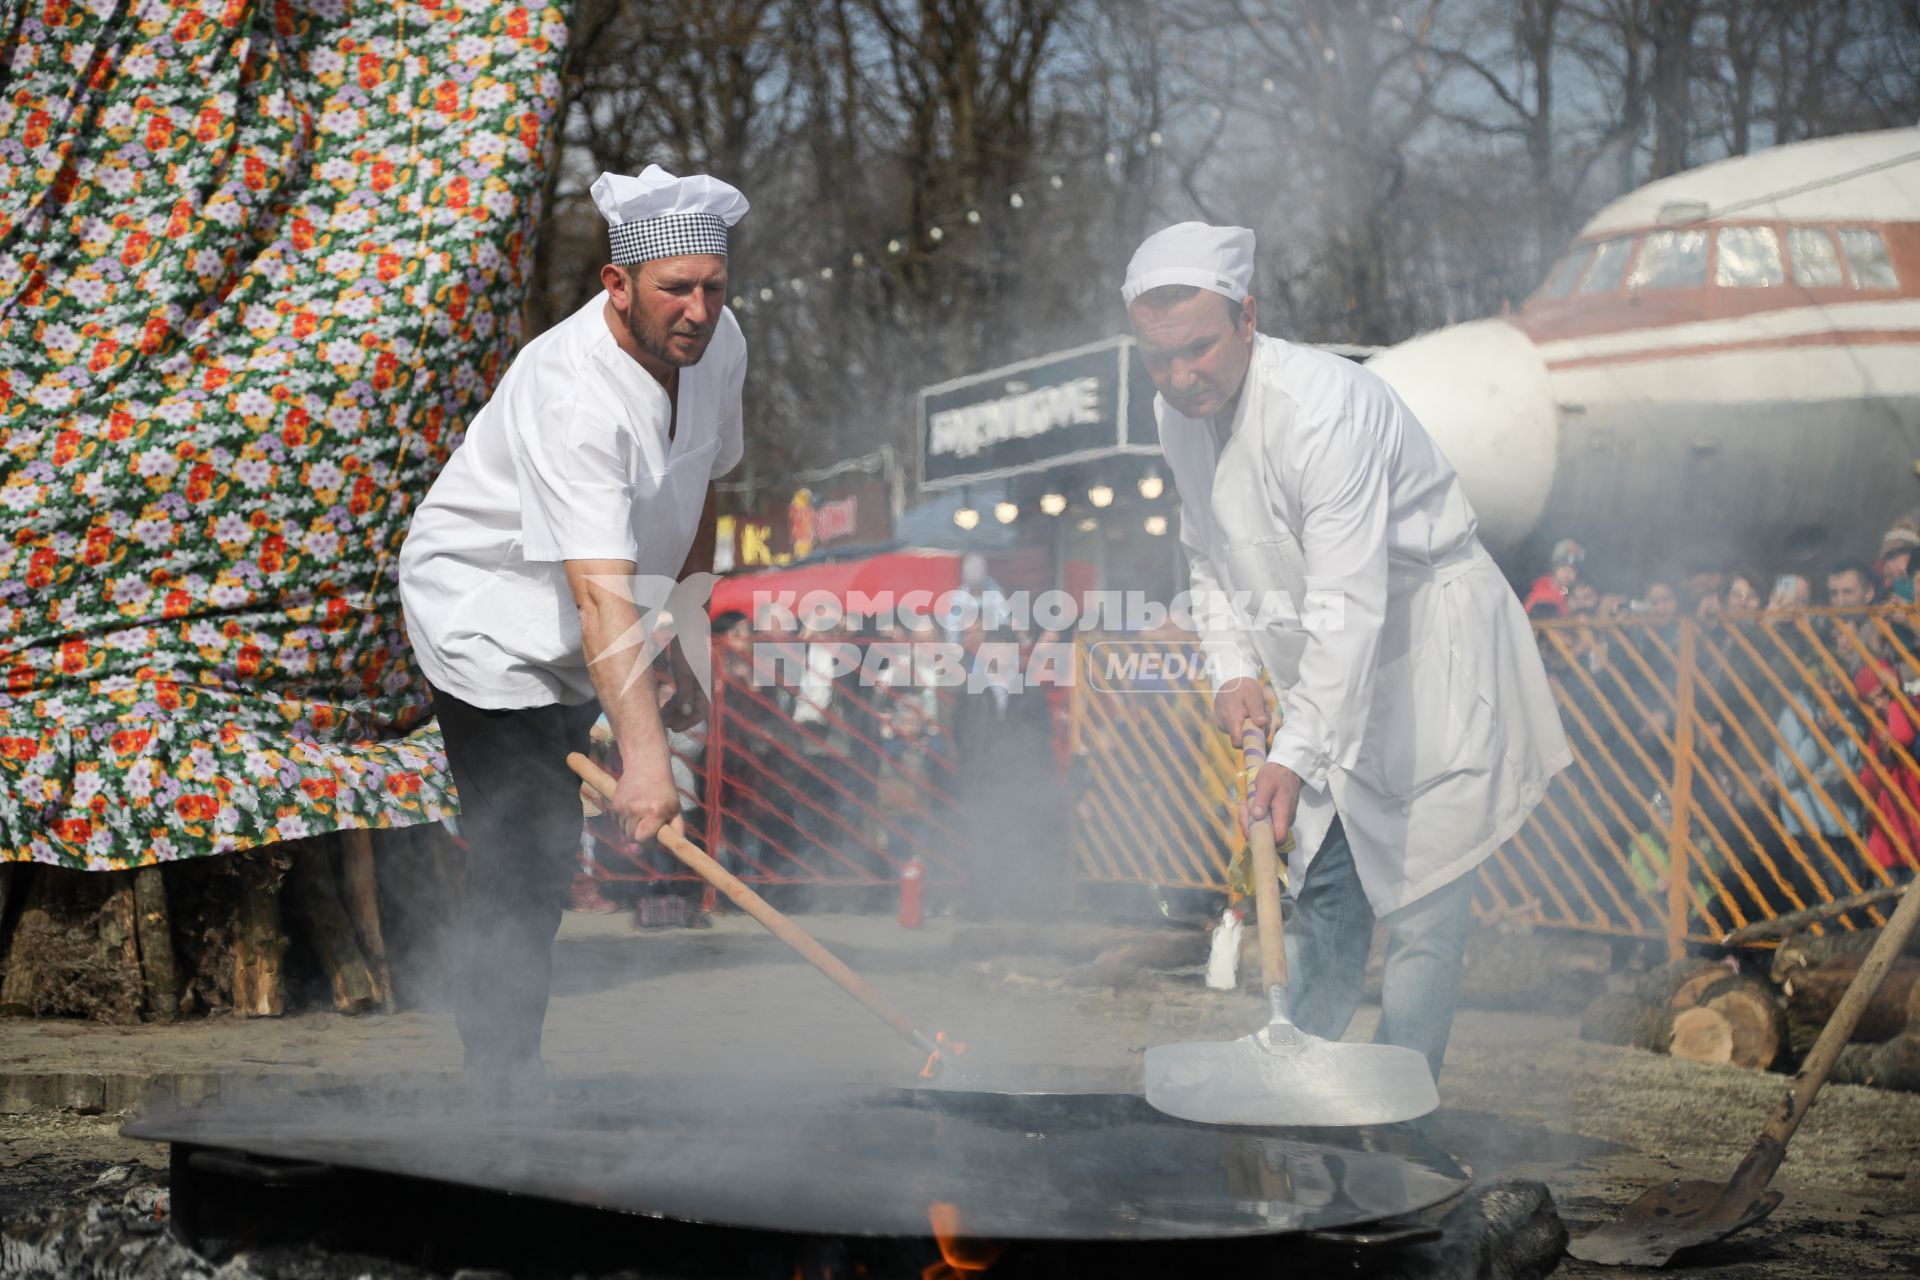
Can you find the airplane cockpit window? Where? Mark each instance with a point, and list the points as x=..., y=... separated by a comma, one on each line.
x=1609, y=265
x=1867, y=259
x=1560, y=280
x=1749, y=258
x=1815, y=264
x=1671, y=260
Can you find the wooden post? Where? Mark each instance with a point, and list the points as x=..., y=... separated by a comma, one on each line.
x=120, y=948
x=22, y=981
x=315, y=899
x=360, y=893
x=11, y=874
x=1679, y=861
x=260, y=942
x=155, y=931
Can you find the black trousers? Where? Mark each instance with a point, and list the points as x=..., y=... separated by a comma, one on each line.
x=520, y=816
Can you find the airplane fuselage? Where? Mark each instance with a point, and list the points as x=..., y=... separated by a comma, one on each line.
x=1740, y=386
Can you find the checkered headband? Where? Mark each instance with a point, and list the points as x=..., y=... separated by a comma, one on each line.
x=668, y=237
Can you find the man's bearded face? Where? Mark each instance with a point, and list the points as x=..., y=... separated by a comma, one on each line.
x=673, y=306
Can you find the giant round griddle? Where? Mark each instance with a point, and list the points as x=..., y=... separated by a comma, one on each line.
x=1063, y=1158
x=1037, y=1163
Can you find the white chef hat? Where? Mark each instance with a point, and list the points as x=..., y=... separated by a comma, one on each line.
x=1219, y=259
x=657, y=215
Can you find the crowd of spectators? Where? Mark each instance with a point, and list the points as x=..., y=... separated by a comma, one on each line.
x=1800, y=761
x=1802, y=730
x=835, y=774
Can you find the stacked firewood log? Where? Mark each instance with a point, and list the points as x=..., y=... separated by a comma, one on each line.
x=1814, y=972
x=355, y=920
x=1767, y=1015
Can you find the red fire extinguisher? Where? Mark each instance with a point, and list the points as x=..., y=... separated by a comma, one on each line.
x=912, y=908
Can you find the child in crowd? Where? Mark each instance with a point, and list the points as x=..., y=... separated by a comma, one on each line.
x=1548, y=598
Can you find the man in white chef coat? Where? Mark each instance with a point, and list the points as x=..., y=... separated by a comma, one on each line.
x=592, y=466
x=1416, y=728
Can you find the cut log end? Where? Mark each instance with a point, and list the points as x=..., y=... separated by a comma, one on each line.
x=1738, y=1021
x=1701, y=1035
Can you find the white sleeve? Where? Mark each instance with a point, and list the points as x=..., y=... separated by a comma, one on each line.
x=1345, y=503
x=575, y=470
x=1223, y=635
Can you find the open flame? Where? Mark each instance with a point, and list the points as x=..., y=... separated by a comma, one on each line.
x=960, y=1255
x=945, y=1047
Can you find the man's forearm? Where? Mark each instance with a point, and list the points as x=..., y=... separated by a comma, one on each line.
x=624, y=681
x=612, y=639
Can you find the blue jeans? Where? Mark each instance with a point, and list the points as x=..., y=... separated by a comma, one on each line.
x=1330, y=933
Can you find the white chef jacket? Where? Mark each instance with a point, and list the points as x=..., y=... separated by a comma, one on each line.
x=569, y=460
x=1424, y=719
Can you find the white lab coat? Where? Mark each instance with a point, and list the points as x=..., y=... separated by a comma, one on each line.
x=1424, y=719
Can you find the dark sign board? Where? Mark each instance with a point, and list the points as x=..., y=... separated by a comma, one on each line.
x=1028, y=417
x=1073, y=406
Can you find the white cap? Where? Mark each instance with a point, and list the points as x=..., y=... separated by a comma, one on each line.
x=1219, y=259
x=657, y=215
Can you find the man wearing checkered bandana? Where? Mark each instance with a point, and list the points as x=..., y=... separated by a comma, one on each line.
x=586, y=481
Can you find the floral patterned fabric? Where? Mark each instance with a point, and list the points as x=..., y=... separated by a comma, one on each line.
x=258, y=262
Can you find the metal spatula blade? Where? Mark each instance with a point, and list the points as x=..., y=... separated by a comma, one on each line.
x=1284, y=1077
x=1280, y=1075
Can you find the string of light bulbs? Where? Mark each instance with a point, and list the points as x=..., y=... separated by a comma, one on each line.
x=1054, y=503
x=931, y=234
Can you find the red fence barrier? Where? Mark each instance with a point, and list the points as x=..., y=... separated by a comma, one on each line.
x=835, y=768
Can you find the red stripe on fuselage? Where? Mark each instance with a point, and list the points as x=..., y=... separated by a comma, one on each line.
x=1827, y=338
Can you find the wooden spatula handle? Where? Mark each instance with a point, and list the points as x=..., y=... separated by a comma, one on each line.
x=1265, y=865
x=742, y=895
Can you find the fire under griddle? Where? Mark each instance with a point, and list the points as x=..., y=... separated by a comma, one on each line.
x=1083, y=1161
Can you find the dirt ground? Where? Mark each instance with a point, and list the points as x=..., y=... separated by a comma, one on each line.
x=1522, y=1096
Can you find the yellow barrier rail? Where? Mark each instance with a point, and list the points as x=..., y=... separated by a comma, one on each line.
x=1154, y=778
x=1725, y=771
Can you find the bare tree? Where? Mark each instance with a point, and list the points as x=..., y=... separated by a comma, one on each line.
x=1613, y=40
x=1671, y=28
x=1838, y=66
x=942, y=185
x=1741, y=33
x=1351, y=85
x=1509, y=93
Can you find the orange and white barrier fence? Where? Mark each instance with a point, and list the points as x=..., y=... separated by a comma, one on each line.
x=1725, y=771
